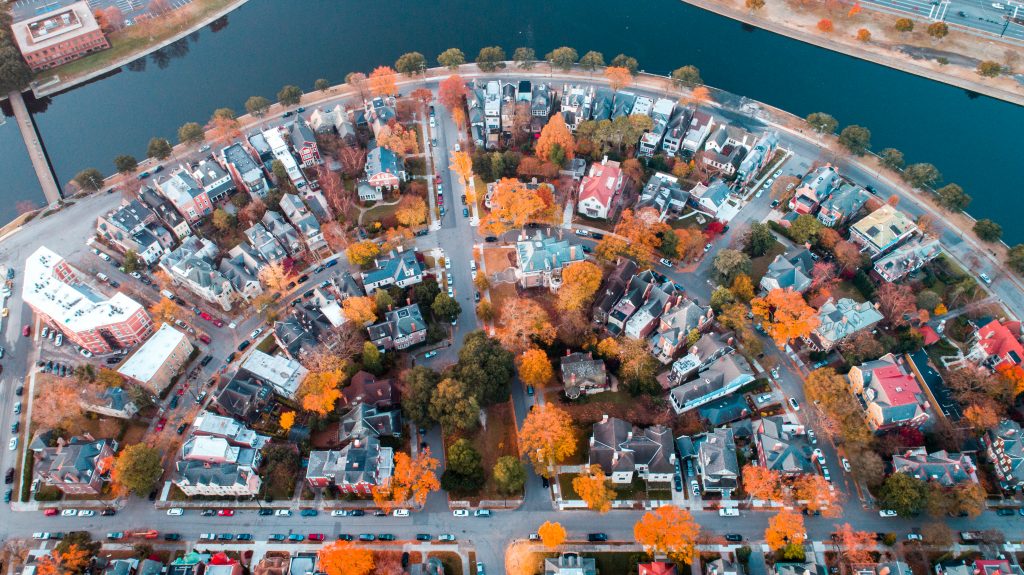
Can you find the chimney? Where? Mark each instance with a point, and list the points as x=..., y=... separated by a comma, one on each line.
x=615, y=457
x=591, y=440
x=604, y=418
x=604, y=161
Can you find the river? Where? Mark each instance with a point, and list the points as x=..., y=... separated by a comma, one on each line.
x=269, y=43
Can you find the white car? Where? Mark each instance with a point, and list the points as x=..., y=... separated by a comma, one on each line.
x=810, y=435
x=69, y=513
x=338, y=513
x=694, y=487
x=846, y=465
x=777, y=174
x=793, y=403
x=60, y=340
x=914, y=537
x=12, y=444
x=472, y=265
x=449, y=279
x=764, y=398
x=460, y=513
x=401, y=513
x=886, y=513
x=175, y=511
x=729, y=512
x=768, y=183
x=775, y=373
x=447, y=263
x=86, y=513
x=104, y=257
x=451, y=292
x=85, y=352
x=707, y=247
x=283, y=513
x=665, y=262
x=256, y=333
x=136, y=275
x=984, y=277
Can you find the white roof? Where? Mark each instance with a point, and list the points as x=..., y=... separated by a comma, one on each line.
x=147, y=360
x=55, y=288
x=277, y=370
x=205, y=447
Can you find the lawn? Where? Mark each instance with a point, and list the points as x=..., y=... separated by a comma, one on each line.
x=498, y=259
x=379, y=213
x=497, y=439
x=501, y=293
x=452, y=562
x=592, y=222
x=565, y=482
x=759, y=265
x=847, y=289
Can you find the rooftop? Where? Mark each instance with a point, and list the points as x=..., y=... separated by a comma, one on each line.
x=151, y=356
x=54, y=27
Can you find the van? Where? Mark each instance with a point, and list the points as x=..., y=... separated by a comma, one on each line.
x=283, y=513
x=102, y=277
x=167, y=294
x=482, y=513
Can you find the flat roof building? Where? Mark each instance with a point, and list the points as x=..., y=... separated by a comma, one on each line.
x=57, y=37
x=156, y=363
x=283, y=373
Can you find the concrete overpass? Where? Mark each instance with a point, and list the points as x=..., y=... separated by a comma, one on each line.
x=34, y=145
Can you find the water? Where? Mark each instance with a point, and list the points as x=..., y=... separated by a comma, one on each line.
x=269, y=43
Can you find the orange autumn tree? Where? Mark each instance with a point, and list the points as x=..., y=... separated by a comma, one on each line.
x=320, y=390
x=816, y=494
x=451, y=92
x=855, y=546
x=864, y=34
x=825, y=25
x=784, y=529
x=413, y=479
x=580, y=281
x=363, y=253
x=636, y=236
x=552, y=534
x=1012, y=374
x=345, y=558
x=398, y=139
x=287, y=420
x=74, y=559
x=383, y=81
x=459, y=117
x=547, y=437
x=535, y=367
x=412, y=211
x=593, y=488
x=360, y=309
x=555, y=133
x=618, y=77
x=462, y=165
x=164, y=311
x=668, y=530
x=523, y=323
x=785, y=314
x=513, y=206
x=762, y=483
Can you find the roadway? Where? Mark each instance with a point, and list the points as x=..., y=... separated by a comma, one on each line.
x=988, y=16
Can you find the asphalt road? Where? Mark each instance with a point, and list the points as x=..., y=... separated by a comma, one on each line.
x=988, y=16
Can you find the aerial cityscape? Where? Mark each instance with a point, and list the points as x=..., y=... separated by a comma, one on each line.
x=543, y=301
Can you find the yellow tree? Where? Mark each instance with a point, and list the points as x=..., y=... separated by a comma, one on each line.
x=287, y=420
x=523, y=322
x=535, y=367
x=608, y=348
x=363, y=253
x=383, y=81
x=412, y=480
x=668, y=530
x=547, y=437
x=636, y=236
x=513, y=205
x=411, y=211
x=618, y=78
x=555, y=134
x=580, y=281
x=275, y=277
x=320, y=390
x=593, y=488
x=785, y=314
x=399, y=140
x=762, y=483
x=785, y=528
x=165, y=311
x=817, y=495
x=360, y=309
x=345, y=558
x=552, y=534
x=462, y=165
x=742, y=288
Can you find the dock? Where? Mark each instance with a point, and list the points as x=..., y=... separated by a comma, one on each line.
x=34, y=146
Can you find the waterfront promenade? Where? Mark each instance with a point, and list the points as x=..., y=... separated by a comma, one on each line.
x=34, y=146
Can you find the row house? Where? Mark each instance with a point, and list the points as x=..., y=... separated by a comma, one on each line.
x=725, y=149
x=492, y=112
x=623, y=451
x=882, y=230
x=842, y=205
x=247, y=174
x=508, y=107
x=698, y=358
x=241, y=268
x=642, y=106
x=908, y=258
x=602, y=107
x=675, y=130
x=304, y=143
x=840, y=318
x=661, y=113
x=757, y=158
x=714, y=200
x=814, y=189
x=541, y=259
x=402, y=328
x=789, y=271
x=286, y=235
x=583, y=375
x=133, y=226
x=381, y=394
x=165, y=212
x=599, y=189
x=192, y=265
x=622, y=104
x=542, y=102
x=399, y=268
x=889, y=393
x=660, y=298
x=207, y=424
x=282, y=373
x=663, y=193
x=304, y=330
x=274, y=142
x=354, y=469
x=946, y=469
x=697, y=131
x=264, y=245
x=721, y=378
x=675, y=326
x=79, y=466
x=717, y=463
x=613, y=286
x=385, y=170
x=220, y=458
x=379, y=112
x=303, y=219
x=195, y=189
x=1004, y=446
x=632, y=298
x=576, y=104
x=334, y=120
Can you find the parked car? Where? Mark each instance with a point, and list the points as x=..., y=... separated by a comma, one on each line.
x=446, y=537
x=460, y=513
x=793, y=403
x=225, y=512
x=482, y=513
x=423, y=537
x=886, y=513
x=276, y=537
x=594, y=537
x=316, y=536
x=728, y=512
x=734, y=537
x=386, y=537
x=172, y=536
x=308, y=513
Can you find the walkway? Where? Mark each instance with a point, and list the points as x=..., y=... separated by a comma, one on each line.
x=35, y=148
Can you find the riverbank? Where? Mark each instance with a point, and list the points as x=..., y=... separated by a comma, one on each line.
x=135, y=42
x=880, y=49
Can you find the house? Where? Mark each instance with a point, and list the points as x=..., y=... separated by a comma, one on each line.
x=243, y=398
x=264, y=244
x=492, y=112
x=429, y=566
x=297, y=334
x=842, y=205
x=713, y=200
x=889, y=393
x=194, y=189
x=336, y=119
x=789, y=271
x=365, y=388
x=208, y=424
x=284, y=374
x=1005, y=450
x=364, y=420
x=246, y=173
x=61, y=34
x=379, y=111
x=283, y=232
x=657, y=568
x=675, y=326
x=728, y=409
x=642, y=106
x=156, y=363
x=999, y=566
x=368, y=193
x=356, y=468
x=634, y=296
x=541, y=259
x=815, y=188
x=576, y=105
x=402, y=328
x=599, y=189
x=838, y=319
x=570, y=564
x=716, y=462
x=384, y=169
x=661, y=114
x=908, y=258
x=725, y=149
x=280, y=151
x=575, y=168
x=542, y=101
x=78, y=466
x=722, y=566
x=622, y=104
x=946, y=469
x=722, y=377
x=757, y=158
x=663, y=193
x=583, y=375
x=809, y=568
x=304, y=142
x=612, y=288
x=192, y=265
x=697, y=131
x=399, y=268
x=241, y=268
x=220, y=458
x=882, y=230
x=111, y=402
x=602, y=107
x=166, y=212
x=782, y=446
x=953, y=567
x=660, y=298
x=133, y=226
x=304, y=221
x=623, y=450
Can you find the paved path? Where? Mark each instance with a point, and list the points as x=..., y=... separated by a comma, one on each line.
x=34, y=145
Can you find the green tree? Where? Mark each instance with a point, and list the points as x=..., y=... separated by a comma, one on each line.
x=510, y=474
x=125, y=164
x=760, y=239
x=257, y=105
x=1015, y=258
x=137, y=468
x=892, y=159
x=857, y=139
x=988, y=230
x=371, y=359
x=592, y=61
x=191, y=134
x=464, y=472
x=904, y=25
x=418, y=386
x=524, y=58
x=89, y=179
x=904, y=494
x=445, y=307
x=490, y=58
x=289, y=95
x=804, y=228
x=486, y=368
x=159, y=148
x=451, y=58
x=280, y=172
x=563, y=58
x=990, y=69
x=425, y=293
x=953, y=197
x=454, y=406
x=411, y=63
x=938, y=30
x=322, y=84
x=131, y=261
x=822, y=123
x=222, y=220
x=921, y=175
x=14, y=73
x=730, y=263
x=627, y=62
x=686, y=76
x=721, y=297
x=383, y=300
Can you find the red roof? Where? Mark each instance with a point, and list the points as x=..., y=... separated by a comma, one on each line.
x=1000, y=339
x=929, y=334
x=900, y=388
x=600, y=183
x=658, y=568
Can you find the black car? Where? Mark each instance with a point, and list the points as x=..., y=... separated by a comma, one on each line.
x=678, y=483
x=266, y=511
x=225, y=537
x=356, y=513
x=423, y=537
x=380, y=513
x=544, y=482
x=206, y=360
x=303, y=278
x=112, y=360
x=174, y=402
x=1005, y=511
x=171, y=536
x=230, y=358
x=19, y=390
x=464, y=201
x=152, y=495
x=9, y=477
x=181, y=428
x=344, y=537
x=108, y=511
x=593, y=537
x=491, y=239
x=733, y=537
x=386, y=537
x=243, y=345
x=597, y=236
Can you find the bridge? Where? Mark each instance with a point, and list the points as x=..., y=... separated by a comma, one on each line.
x=34, y=145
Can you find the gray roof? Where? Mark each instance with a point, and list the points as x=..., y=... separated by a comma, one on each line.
x=235, y=270
x=716, y=460
x=396, y=267
x=724, y=410
x=194, y=261
x=946, y=468
x=847, y=200
x=614, y=449
x=791, y=270
x=161, y=206
x=546, y=253
x=299, y=215
x=195, y=472
x=782, y=450
x=799, y=569
x=664, y=193
x=265, y=244
x=841, y=318
x=383, y=160
x=759, y=153
x=236, y=155
x=570, y=564
x=131, y=217
x=301, y=133
x=398, y=323
x=614, y=285
x=727, y=372
x=75, y=462
x=1005, y=439
x=581, y=369
x=242, y=395
x=362, y=461
x=622, y=104
x=365, y=420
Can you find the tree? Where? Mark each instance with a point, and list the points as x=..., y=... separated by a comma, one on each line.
x=848, y=255
x=904, y=494
x=289, y=95
x=897, y=303
x=462, y=164
x=412, y=479
x=383, y=81
x=921, y=175
x=345, y=558
x=580, y=281
x=618, y=77
x=687, y=76
x=981, y=415
x=555, y=134
x=287, y=420
x=275, y=277
x=562, y=58
x=490, y=58
x=547, y=437
x=69, y=560
x=593, y=488
x=817, y=494
x=668, y=530
x=191, y=133
x=825, y=25
x=371, y=358
x=89, y=179
x=454, y=406
x=892, y=159
x=320, y=390
x=535, y=367
x=125, y=164
x=988, y=230
x=861, y=346
x=855, y=546
x=864, y=35
x=222, y=220
x=822, y=123
x=418, y=386
x=938, y=30
x=257, y=106
x=451, y=58
x=638, y=367
x=1015, y=258
x=990, y=69
x=969, y=498
x=627, y=62
x=552, y=534
x=591, y=61
x=524, y=58
x=730, y=263
x=486, y=368
x=637, y=236
x=742, y=288
x=363, y=253
x=165, y=310
x=411, y=211
x=451, y=92
x=759, y=239
x=953, y=198
x=463, y=472
x=804, y=228
x=445, y=307
x=785, y=314
x=411, y=63
x=762, y=483
x=159, y=148
x=509, y=475
x=109, y=378
x=937, y=534
x=398, y=139
x=904, y=25
x=223, y=126
x=523, y=322
x=855, y=138
x=784, y=529
x=754, y=5
x=136, y=469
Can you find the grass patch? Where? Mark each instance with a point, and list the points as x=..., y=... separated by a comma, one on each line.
x=565, y=482
x=268, y=345
x=498, y=259
x=759, y=265
x=379, y=213
x=593, y=222
x=496, y=440
x=846, y=289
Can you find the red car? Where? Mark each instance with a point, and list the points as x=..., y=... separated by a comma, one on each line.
x=226, y=512
x=160, y=424
x=26, y=330
x=50, y=512
x=181, y=391
x=217, y=322
x=204, y=338
x=437, y=178
x=316, y=536
x=205, y=316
